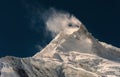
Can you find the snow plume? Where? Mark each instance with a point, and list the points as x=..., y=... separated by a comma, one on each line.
x=57, y=21
x=49, y=22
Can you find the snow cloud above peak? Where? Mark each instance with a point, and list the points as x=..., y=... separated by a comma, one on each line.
x=57, y=21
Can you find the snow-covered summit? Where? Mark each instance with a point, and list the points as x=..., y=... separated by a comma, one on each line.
x=75, y=37
x=81, y=49
x=74, y=52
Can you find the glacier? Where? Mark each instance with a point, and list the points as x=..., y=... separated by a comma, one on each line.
x=74, y=52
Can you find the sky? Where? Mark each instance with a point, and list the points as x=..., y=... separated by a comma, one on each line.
x=22, y=31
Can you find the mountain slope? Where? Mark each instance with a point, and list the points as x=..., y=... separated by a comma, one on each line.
x=74, y=52
x=80, y=41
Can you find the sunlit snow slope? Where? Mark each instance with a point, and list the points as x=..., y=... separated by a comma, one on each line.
x=74, y=52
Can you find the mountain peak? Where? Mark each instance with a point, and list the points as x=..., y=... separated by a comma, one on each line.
x=77, y=38
x=74, y=52
x=75, y=34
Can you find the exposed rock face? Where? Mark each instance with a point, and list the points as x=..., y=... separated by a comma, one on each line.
x=75, y=53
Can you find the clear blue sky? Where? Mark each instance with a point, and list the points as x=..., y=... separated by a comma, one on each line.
x=101, y=17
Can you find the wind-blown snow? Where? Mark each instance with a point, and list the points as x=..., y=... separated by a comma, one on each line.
x=59, y=21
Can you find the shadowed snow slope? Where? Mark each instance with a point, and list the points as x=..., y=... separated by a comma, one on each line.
x=74, y=52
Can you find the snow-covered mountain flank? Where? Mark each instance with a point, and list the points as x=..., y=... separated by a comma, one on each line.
x=74, y=52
